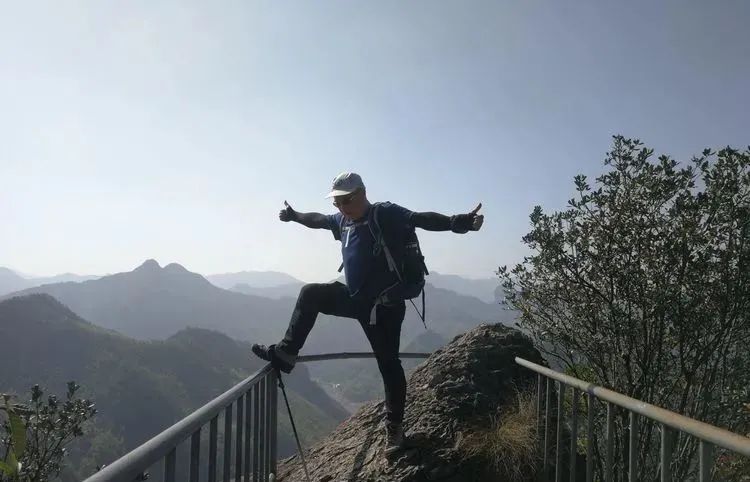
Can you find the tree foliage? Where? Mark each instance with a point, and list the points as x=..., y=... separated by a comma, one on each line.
x=35, y=435
x=642, y=284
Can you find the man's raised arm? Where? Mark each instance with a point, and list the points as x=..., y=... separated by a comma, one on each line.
x=311, y=220
x=460, y=223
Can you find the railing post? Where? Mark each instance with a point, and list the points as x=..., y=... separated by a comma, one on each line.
x=706, y=461
x=558, y=445
x=539, y=406
x=263, y=428
x=609, y=467
x=227, y=442
x=256, y=434
x=170, y=462
x=590, y=439
x=212, y=436
x=633, y=448
x=267, y=441
x=195, y=454
x=574, y=436
x=238, y=442
x=248, y=436
x=274, y=420
x=667, y=447
x=547, y=415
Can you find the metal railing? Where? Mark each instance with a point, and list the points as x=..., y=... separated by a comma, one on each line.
x=709, y=436
x=248, y=413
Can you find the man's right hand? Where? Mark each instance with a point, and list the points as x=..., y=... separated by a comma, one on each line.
x=287, y=214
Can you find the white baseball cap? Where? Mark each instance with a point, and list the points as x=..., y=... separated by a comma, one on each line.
x=346, y=183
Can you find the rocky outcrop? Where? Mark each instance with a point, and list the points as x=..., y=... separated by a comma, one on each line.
x=452, y=394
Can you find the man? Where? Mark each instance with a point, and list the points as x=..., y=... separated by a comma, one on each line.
x=367, y=277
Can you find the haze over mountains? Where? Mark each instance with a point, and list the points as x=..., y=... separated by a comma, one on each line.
x=155, y=302
x=256, y=279
x=274, y=284
x=270, y=284
x=11, y=281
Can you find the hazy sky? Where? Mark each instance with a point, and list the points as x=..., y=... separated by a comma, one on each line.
x=175, y=130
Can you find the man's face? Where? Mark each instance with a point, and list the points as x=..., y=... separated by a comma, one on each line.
x=353, y=205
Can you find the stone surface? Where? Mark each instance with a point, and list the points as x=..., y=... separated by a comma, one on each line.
x=452, y=392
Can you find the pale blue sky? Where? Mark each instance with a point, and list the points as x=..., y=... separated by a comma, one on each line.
x=175, y=130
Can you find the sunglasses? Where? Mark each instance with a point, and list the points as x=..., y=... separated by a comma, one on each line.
x=344, y=200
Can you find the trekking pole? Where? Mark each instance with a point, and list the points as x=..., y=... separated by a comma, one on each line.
x=294, y=428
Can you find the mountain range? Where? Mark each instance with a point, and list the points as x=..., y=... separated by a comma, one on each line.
x=269, y=284
x=154, y=302
x=152, y=344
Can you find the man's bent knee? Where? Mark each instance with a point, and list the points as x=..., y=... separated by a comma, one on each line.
x=310, y=294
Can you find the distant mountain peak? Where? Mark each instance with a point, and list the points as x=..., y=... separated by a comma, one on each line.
x=175, y=268
x=149, y=265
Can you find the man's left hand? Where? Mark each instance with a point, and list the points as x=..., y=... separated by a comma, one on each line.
x=462, y=223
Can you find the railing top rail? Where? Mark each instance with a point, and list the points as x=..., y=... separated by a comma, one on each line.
x=350, y=355
x=718, y=436
x=130, y=465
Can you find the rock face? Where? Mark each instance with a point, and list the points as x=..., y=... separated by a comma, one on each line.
x=453, y=393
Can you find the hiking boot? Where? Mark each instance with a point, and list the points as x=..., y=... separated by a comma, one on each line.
x=279, y=360
x=394, y=438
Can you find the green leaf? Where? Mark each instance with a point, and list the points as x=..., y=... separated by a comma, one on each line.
x=18, y=432
x=5, y=468
x=12, y=464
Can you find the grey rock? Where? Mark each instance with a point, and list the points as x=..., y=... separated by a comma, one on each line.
x=452, y=393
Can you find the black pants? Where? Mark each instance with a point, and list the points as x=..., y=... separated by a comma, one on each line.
x=384, y=335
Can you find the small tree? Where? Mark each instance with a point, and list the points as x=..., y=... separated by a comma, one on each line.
x=643, y=285
x=34, y=435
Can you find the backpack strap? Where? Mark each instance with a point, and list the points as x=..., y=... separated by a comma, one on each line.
x=380, y=241
x=341, y=234
x=422, y=315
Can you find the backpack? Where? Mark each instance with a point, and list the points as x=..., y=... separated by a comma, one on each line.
x=405, y=260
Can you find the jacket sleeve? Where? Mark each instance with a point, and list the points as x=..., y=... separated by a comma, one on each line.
x=313, y=220
x=431, y=221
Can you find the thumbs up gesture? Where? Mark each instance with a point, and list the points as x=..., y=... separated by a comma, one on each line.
x=287, y=214
x=463, y=223
x=478, y=219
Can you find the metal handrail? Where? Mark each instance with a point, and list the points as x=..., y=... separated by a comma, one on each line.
x=259, y=393
x=708, y=435
x=262, y=386
x=352, y=355
x=718, y=436
x=131, y=465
